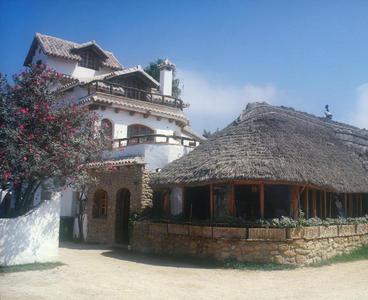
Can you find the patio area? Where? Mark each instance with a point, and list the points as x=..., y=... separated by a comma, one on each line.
x=95, y=272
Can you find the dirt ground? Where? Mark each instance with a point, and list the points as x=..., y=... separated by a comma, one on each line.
x=100, y=273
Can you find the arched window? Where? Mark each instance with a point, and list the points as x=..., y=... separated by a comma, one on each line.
x=139, y=130
x=106, y=127
x=99, y=209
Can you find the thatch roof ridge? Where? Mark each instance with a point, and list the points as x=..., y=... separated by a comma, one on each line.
x=272, y=143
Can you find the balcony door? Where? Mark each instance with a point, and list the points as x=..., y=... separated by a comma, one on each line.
x=138, y=134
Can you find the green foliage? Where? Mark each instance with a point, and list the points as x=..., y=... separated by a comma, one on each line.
x=283, y=222
x=207, y=133
x=42, y=137
x=30, y=267
x=360, y=253
x=233, y=264
x=153, y=70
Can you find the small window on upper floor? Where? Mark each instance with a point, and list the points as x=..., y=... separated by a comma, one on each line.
x=89, y=60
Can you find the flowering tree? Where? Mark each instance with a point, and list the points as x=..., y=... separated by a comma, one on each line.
x=41, y=136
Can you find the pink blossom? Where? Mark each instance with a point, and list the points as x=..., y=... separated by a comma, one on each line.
x=7, y=175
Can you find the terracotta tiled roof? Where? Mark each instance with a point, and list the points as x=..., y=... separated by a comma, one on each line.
x=61, y=48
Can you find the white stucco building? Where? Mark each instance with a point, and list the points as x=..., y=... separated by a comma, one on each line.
x=146, y=124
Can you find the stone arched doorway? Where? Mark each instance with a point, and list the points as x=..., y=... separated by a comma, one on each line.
x=122, y=216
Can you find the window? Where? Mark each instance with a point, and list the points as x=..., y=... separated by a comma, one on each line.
x=247, y=201
x=139, y=130
x=89, y=60
x=221, y=196
x=197, y=202
x=99, y=209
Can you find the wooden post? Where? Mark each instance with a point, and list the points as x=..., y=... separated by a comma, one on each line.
x=294, y=201
x=324, y=204
x=184, y=204
x=330, y=206
x=261, y=200
x=314, y=207
x=306, y=203
x=361, y=205
x=351, y=199
x=232, y=201
x=212, y=208
x=167, y=203
x=346, y=204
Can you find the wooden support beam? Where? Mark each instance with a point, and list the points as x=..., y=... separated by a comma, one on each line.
x=261, y=200
x=212, y=206
x=351, y=204
x=232, y=207
x=294, y=203
x=184, y=203
x=325, y=204
x=330, y=206
x=314, y=206
x=306, y=199
x=167, y=203
x=346, y=204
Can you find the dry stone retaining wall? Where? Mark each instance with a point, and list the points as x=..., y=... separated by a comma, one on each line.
x=297, y=246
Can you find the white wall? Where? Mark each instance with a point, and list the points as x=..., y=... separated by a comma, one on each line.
x=67, y=203
x=72, y=68
x=33, y=237
x=156, y=156
x=166, y=77
x=122, y=119
x=76, y=227
x=67, y=66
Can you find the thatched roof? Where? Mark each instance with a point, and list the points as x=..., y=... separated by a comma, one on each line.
x=277, y=143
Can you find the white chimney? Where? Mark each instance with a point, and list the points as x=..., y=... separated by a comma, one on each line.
x=166, y=77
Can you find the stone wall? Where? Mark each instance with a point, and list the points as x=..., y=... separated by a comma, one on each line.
x=297, y=246
x=132, y=177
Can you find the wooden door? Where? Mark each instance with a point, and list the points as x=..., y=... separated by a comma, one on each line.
x=122, y=216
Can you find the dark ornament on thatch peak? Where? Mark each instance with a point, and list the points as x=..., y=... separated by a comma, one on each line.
x=278, y=144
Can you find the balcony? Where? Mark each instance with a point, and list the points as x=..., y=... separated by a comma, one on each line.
x=157, y=149
x=106, y=87
x=154, y=139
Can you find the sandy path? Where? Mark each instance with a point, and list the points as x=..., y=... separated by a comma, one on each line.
x=104, y=274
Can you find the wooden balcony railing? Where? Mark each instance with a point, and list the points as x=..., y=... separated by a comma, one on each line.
x=133, y=93
x=154, y=139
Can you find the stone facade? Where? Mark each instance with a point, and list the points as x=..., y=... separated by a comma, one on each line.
x=296, y=246
x=134, y=178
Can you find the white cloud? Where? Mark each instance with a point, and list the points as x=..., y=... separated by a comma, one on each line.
x=216, y=105
x=360, y=115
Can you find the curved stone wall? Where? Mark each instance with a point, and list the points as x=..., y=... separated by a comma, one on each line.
x=297, y=246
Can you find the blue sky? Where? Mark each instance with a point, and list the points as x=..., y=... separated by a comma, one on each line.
x=303, y=54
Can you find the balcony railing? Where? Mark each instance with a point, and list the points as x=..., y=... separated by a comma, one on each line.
x=154, y=139
x=133, y=93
